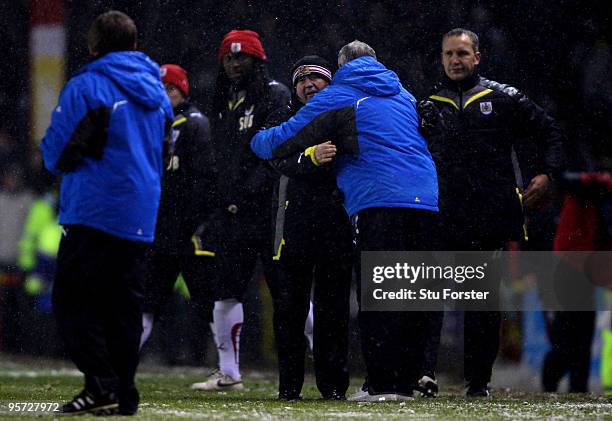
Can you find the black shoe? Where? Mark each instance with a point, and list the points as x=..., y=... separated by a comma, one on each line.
x=86, y=403
x=283, y=396
x=428, y=386
x=128, y=401
x=334, y=396
x=477, y=391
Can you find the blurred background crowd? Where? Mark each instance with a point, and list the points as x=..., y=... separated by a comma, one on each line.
x=559, y=53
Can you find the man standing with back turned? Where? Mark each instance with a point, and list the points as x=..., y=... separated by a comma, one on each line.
x=388, y=180
x=472, y=124
x=106, y=138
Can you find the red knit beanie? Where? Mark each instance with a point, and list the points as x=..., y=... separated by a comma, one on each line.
x=175, y=75
x=242, y=41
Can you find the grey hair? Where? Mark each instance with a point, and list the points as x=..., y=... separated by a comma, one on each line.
x=354, y=50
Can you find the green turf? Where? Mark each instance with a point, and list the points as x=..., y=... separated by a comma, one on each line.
x=165, y=395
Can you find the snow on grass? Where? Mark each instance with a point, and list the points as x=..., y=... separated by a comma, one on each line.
x=165, y=395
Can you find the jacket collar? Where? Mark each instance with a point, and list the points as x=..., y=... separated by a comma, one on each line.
x=464, y=85
x=182, y=108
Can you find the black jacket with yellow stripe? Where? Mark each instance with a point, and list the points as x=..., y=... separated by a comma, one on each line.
x=188, y=182
x=308, y=210
x=472, y=128
x=244, y=180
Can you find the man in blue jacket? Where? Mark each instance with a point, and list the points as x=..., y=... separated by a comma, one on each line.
x=106, y=138
x=388, y=180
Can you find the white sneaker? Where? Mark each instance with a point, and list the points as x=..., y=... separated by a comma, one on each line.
x=364, y=396
x=358, y=396
x=219, y=382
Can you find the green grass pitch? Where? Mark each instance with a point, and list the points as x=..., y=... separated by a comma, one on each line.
x=165, y=395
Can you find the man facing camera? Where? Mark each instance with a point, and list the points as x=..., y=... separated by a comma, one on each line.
x=312, y=251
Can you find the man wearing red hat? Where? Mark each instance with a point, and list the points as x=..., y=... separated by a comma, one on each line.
x=188, y=194
x=244, y=97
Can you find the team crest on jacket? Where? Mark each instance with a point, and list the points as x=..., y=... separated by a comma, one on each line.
x=486, y=107
x=246, y=122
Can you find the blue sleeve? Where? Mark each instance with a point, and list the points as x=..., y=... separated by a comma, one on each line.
x=265, y=141
x=70, y=111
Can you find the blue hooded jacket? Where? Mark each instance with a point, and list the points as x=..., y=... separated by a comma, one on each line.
x=389, y=164
x=106, y=138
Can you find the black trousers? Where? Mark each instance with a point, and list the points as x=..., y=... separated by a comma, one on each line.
x=321, y=260
x=243, y=240
x=481, y=329
x=433, y=329
x=162, y=270
x=571, y=336
x=392, y=342
x=480, y=345
x=97, y=303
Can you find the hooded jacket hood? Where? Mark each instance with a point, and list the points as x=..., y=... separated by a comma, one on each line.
x=369, y=76
x=134, y=73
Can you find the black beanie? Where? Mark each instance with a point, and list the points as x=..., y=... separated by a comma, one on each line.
x=311, y=65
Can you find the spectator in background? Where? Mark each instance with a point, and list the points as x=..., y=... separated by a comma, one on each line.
x=188, y=196
x=15, y=201
x=38, y=260
x=471, y=124
x=8, y=150
x=244, y=97
x=106, y=138
x=388, y=179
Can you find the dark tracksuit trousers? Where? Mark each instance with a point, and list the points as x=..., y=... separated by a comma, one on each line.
x=480, y=344
x=97, y=303
x=392, y=342
x=317, y=255
x=571, y=336
x=243, y=239
x=162, y=271
x=481, y=329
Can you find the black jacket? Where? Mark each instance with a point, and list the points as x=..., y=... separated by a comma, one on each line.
x=308, y=204
x=188, y=183
x=472, y=128
x=244, y=180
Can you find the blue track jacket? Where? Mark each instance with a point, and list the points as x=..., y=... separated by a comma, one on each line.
x=106, y=138
x=383, y=160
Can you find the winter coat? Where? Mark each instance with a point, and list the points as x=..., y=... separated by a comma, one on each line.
x=308, y=208
x=188, y=183
x=106, y=138
x=383, y=159
x=471, y=133
x=245, y=181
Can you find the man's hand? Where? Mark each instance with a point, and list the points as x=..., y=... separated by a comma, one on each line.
x=324, y=152
x=536, y=193
x=429, y=117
